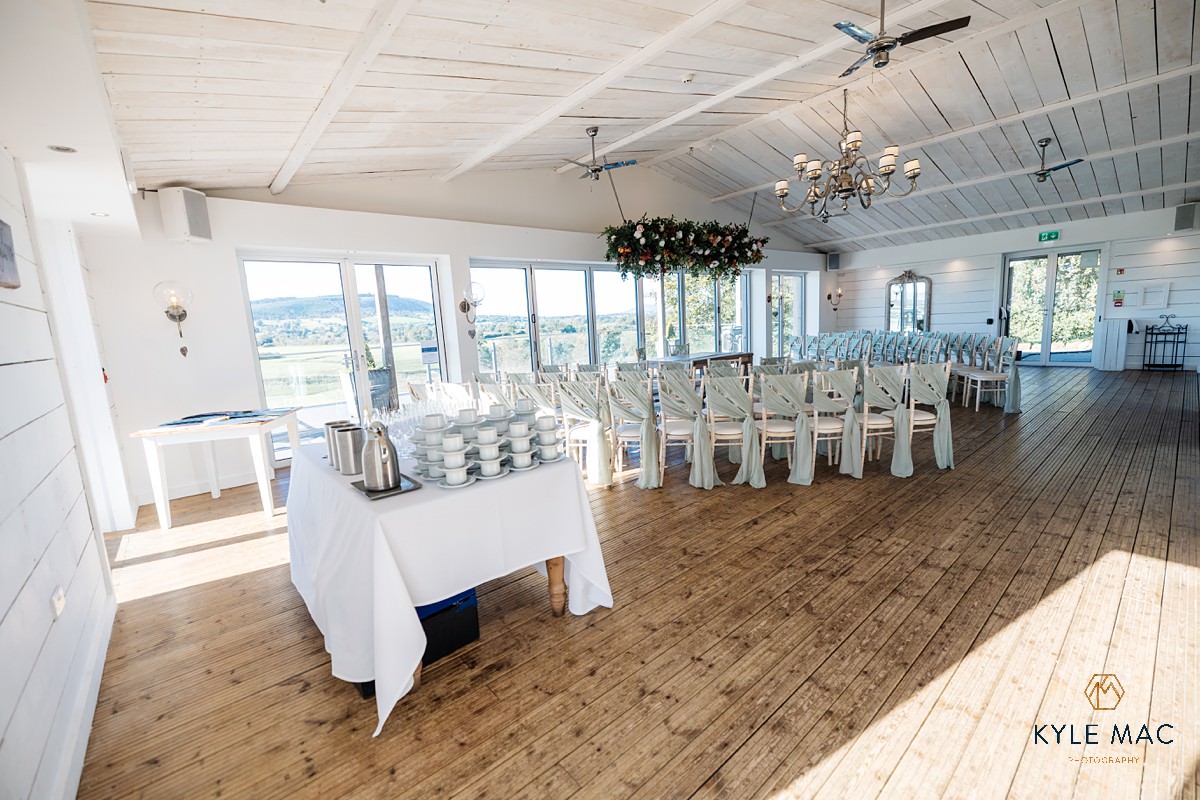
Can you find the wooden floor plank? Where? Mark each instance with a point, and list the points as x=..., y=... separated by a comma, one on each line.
x=881, y=637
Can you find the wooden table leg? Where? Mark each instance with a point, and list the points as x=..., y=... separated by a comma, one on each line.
x=558, y=588
x=417, y=677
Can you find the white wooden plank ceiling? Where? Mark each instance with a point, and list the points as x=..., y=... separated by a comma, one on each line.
x=254, y=93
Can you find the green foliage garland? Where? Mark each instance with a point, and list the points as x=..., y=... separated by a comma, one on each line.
x=650, y=247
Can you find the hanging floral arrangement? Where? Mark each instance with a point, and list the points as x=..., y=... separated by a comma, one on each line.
x=649, y=247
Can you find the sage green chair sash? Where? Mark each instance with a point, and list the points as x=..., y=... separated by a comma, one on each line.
x=884, y=389
x=582, y=400
x=785, y=396
x=631, y=401
x=678, y=398
x=721, y=369
x=845, y=383
x=728, y=397
x=928, y=386
x=1012, y=394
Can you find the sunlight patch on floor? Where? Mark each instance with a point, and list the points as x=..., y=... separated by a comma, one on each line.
x=945, y=737
x=143, y=544
x=136, y=581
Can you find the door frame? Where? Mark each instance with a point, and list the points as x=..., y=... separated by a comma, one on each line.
x=1052, y=255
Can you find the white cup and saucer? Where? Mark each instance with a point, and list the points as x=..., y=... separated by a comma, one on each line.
x=488, y=451
x=456, y=477
x=433, y=422
x=453, y=442
x=521, y=461
x=548, y=452
x=492, y=468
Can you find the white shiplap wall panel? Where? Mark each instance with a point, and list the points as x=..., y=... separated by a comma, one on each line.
x=963, y=293
x=51, y=665
x=1174, y=260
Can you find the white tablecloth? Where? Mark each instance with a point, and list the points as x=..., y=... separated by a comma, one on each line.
x=363, y=565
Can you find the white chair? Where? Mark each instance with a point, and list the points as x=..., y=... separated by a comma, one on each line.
x=927, y=386
x=885, y=390
x=587, y=419
x=635, y=422
x=682, y=422
x=729, y=399
x=836, y=422
x=787, y=419
x=992, y=379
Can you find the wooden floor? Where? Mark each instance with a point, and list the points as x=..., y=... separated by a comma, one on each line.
x=852, y=639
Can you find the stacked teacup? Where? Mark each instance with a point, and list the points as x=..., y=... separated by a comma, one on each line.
x=428, y=440
x=526, y=411
x=467, y=422
x=490, y=458
x=498, y=417
x=520, y=450
x=547, y=438
x=454, y=460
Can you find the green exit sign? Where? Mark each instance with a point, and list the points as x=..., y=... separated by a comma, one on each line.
x=1048, y=236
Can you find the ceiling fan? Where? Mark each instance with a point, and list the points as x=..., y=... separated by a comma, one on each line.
x=596, y=168
x=1043, y=171
x=879, y=48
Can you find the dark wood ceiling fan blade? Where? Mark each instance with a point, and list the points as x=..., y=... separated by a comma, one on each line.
x=933, y=30
x=1063, y=165
x=866, y=57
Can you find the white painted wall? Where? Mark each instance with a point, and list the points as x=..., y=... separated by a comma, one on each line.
x=152, y=383
x=967, y=275
x=528, y=198
x=50, y=669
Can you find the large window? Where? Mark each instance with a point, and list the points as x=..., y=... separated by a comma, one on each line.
x=580, y=313
x=562, y=316
x=336, y=337
x=616, y=317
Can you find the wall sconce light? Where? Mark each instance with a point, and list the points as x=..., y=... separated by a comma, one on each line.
x=176, y=297
x=472, y=299
x=835, y=299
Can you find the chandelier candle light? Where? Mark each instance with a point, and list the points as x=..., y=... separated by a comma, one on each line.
x=848, y=176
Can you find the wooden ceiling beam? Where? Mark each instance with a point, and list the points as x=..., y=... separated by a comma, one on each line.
x=1024, y=115
x=1083, y=201
x=383, y=23
x=711, y=13
x=1025, y=172
x=821, y=51
x=908, y=66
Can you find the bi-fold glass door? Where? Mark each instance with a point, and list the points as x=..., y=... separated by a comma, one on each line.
x=1051, y=305
x=536, y=316
x=339, y=337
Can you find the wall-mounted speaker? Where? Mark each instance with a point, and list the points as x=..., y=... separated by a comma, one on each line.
x=184, y=214
x=833, y=262
x=1187, y=217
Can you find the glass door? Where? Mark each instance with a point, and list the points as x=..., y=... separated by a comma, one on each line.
x=504, y=334
x=399, y=326
x=561, y=305
x=1073, y=314
x=1051, y=305
x=302, y=334
x=787, y=310
x=1027, y=304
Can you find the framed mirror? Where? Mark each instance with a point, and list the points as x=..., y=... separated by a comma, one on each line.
x=908, y=302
